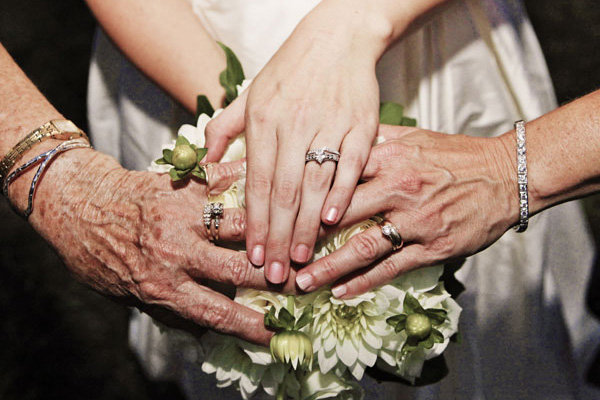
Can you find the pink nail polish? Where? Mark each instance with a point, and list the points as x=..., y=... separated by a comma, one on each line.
x=275, y=274
x=339, y=291
x=257, y=255
x=301, y=253
x=331, y=215
x=304, y=281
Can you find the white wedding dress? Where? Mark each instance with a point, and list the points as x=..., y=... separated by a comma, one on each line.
x=474, y=68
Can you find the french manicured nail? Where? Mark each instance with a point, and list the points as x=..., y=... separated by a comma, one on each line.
x=301, y=253
x=275, y=274
x=331, y=215
x=257, y=255
x=304, y=281
x=339, y=291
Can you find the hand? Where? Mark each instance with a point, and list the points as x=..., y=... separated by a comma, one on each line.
x=136, y=237
x=448, y=196
x=318, y=90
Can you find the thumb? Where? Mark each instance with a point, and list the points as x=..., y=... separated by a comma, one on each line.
x=224, y=127
x=220, y=176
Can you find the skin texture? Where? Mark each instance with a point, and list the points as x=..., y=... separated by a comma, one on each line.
x=450, y=196
x=133, y=236
x=152, y=32
x=318, y=90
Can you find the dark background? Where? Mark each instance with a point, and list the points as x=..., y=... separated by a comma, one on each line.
x=59, y=340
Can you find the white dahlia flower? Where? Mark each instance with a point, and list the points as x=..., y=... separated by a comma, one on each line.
x=348, y=333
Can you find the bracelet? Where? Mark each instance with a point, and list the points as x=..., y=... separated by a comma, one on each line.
x=62, y=129
x=44, y=159
x=522, y=177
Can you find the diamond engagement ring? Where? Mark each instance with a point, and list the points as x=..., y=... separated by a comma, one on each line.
x=323, y=154
x=212, y=212
x=391, y=233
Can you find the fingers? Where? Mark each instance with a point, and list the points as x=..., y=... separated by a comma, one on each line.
x=224, y=265
x=214, y=310
x=315, y=186
x=390, y=132
x=406, y=259
x=261, y=157
x=232, y=225
x=369, y=199
x=224, y=127
x=285, y=200
x=354, y=154
x=220, y=176
x=360, y=251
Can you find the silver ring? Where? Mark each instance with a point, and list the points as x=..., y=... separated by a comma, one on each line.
x=391, y=233
x=323, y=154
x=212, y=213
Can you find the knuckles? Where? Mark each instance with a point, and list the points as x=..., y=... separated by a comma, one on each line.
x=235, y=268
x=318, y=179
x=258, y=184
x=365, y=247
x=285, y=194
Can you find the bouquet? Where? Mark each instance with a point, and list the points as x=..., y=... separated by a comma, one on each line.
x=323, y=345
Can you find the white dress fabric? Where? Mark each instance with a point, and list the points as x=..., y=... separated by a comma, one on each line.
x=474, y=68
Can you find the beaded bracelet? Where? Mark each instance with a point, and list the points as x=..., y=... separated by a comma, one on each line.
x=522, y=177
x=43, y=159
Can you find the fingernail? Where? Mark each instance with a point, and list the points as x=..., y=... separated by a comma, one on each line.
x=257, y=255
x=331, y=215
x=304, y=281
x=275, y=274
x=339, y=291
x=301, y=253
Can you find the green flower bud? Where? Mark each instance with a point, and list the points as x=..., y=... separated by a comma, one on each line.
x=184, y=157
x=292, y=347
x=418, y=326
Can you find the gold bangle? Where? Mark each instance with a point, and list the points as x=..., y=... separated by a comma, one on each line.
x=61, y=129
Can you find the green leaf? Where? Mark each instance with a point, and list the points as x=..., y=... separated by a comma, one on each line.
x=390, y=113
x=181, y=140
x=437, y=336
x=161, y=161
x=305, y=318
x=427, y=343
x=183, y=172
x=199, y=174
x=232, y=76
x=396, y=319
x=173, y=174
x=203, y=106
x=201, y=152
x=286, y=319
x=438, y=316
x=411, y=305
x=406, y=121
x=408, y=347
x=168, y=155
x=271, y=321
x=400, y=326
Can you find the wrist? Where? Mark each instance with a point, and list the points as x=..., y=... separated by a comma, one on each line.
x=360, y=24
x=503, y=151
x=71, y=180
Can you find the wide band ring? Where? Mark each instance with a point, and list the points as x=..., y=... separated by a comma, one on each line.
x=211, y=217
x=323, y=154
x=390, y=232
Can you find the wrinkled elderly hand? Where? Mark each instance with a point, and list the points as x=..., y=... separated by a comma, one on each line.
x=136, y=237
x=447, y=195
